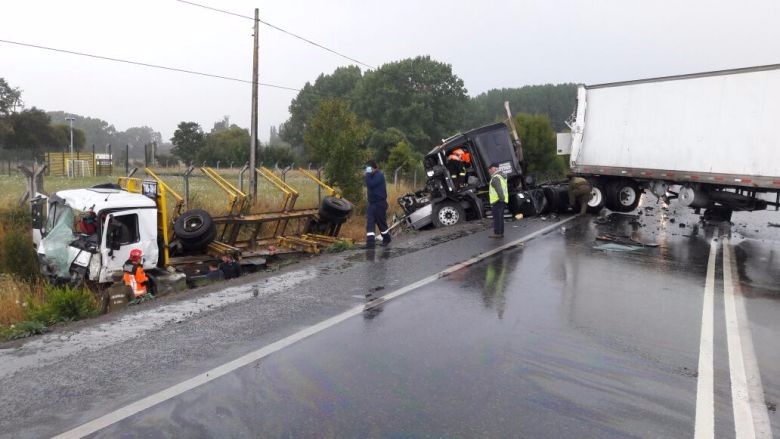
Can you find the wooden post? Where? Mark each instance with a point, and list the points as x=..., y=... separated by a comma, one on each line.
x=253, y=126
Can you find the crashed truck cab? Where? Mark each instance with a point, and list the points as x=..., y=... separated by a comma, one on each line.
x=123, y=221
x=443, y=203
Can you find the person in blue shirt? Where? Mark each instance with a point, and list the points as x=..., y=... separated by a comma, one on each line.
x=376, y=213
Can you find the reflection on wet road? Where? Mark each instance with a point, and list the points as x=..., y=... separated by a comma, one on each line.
x=556, y=339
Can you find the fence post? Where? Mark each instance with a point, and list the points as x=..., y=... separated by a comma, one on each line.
x=187, y=173
x=241, y=176
x=395, y=177
x=415, y=179
x=111, y=159
x=127, y=158
x=94, y=161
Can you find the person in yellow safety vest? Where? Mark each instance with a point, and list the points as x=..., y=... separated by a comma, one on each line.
x=134, y=276
x=457, y=167
x=579, y=193
x=499, y=197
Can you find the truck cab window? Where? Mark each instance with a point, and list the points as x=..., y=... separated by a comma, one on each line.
x=123, y=229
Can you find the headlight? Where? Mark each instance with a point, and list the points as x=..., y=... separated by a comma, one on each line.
x=429, y=173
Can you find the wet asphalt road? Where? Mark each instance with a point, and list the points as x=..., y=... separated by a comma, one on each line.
x=560, y=338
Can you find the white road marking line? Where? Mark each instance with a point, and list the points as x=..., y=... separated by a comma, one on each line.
x=199, y=380
x=751, y=419
x=705, y=401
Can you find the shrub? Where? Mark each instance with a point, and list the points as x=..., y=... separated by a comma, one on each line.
x=64, y=304
x=21, y=330
x=339, y=246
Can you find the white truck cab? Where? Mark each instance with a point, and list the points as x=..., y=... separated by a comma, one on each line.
x=121, y=221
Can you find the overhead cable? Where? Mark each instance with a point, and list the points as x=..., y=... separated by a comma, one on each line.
x=280, y=30
x=143, y=64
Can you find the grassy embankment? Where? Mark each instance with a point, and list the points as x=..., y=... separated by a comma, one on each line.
x=28, y=306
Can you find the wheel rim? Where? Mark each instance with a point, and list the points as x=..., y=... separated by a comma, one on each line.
x=596, y=197
x=193, y=224
x=449, y=216
x=626, y=196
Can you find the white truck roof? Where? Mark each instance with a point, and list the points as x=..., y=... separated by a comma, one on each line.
x=100, y=199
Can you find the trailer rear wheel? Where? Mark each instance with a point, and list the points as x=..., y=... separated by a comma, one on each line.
x=597, y=197
x=623, y=195
x=448, y=213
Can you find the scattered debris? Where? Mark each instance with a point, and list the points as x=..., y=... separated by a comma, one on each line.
x=672, y=220
x=682, y=225
x=771, y=406
x=618, y=247
x=624, y=240
x=770, y=224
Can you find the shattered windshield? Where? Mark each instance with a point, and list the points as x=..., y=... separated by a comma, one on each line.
x=58, y=238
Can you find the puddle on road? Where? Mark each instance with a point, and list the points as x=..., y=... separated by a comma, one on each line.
x=53, y=346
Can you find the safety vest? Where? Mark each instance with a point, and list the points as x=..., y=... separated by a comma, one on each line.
x=135, y=278
x=493, y=193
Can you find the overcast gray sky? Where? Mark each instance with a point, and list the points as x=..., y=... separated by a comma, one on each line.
x=490, y=44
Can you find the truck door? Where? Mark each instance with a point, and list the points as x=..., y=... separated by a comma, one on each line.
x=120, y=235
x=38, y=210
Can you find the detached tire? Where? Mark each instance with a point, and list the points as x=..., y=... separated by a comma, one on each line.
x=200, y=243
x=623, y=195
x=334, y=209
x=448, y=213
x=553, y=199
x=193, y=225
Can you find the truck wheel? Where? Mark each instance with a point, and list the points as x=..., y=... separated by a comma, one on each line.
x=202, y=242
x=597, y=198
x=333, y=208
x=448, y=213
x=553, y=199
x=193, y=225
x=623, y=195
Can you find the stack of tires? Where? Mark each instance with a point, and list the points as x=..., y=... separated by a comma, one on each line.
x=195, y=229
x=334, y=210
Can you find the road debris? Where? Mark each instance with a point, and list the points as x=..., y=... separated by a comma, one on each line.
x=624, y=240
x=771, y=224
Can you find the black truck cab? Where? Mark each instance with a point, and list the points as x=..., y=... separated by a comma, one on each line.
x=446, y=200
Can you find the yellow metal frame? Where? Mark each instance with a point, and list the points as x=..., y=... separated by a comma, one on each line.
x=329, y=190
x=238, y=199
x=164, y=224
x=290, y=196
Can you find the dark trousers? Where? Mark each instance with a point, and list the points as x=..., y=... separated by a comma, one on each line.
x=376, y=215
x=498, y=217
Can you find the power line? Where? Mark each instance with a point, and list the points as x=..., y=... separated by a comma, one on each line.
x=280, y=30
x=155, y=66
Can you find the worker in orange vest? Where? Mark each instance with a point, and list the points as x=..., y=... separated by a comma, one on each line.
x=456, y=166
x=135, y=277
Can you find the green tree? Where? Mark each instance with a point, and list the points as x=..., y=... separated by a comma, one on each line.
x=60, y=137
x=338, y=84
x=419, y=96
x=187, y=140
x=281, y=154
x=557, y=101
x=227, y=146
x=380, y=142
x=333, y=137
x=10, y=98
x=403, y=156
x=97, y=132
x=539, y=149
x=29, y=130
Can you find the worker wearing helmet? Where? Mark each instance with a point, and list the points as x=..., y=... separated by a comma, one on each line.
x=456, y=166
x=135, y=277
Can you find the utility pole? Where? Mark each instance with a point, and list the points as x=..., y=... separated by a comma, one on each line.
x=253, y=128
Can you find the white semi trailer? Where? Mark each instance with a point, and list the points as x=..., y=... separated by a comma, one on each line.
x=711, y=140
